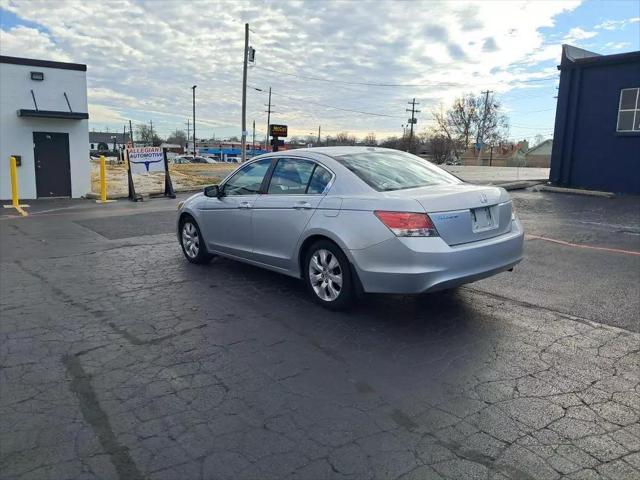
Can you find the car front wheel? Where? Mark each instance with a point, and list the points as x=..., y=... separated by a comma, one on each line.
x=192, y=243
x=328, y=275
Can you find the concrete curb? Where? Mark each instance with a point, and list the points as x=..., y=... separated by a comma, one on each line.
x=120, y=196
x=521, y=185
x=575, y=191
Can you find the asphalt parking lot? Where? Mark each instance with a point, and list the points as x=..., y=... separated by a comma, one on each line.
x=121, y=360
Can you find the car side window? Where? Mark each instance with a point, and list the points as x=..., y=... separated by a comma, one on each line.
x=319, y=180
x=290, y=177
x=248, y=180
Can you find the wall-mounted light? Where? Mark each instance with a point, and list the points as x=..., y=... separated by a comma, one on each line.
x=37, y=76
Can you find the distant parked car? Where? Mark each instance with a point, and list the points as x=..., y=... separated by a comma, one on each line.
x=190, y=159
x=354, y=219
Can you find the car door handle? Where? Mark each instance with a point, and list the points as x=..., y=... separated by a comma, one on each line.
x=244, y=205
x=302, y=206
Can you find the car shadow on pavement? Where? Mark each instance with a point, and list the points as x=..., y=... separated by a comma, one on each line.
x=440, y=328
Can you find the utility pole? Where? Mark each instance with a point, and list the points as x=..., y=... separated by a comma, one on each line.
x=319, y=134
x=244, y=95
x=194, y=119
x=412, y=121
x=479, y=138
x=253, y=144
x=131, y=134
x=266, y=138
x=188, y=133
x=151, y=126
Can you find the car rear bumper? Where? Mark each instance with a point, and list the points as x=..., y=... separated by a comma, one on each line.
x=417, y=265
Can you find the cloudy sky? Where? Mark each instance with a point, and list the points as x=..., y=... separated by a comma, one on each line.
x=348, y=66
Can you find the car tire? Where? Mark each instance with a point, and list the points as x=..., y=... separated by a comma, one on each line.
x=192, y=242
x=327, y=274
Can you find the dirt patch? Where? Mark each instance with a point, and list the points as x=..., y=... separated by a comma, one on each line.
x=184, y=177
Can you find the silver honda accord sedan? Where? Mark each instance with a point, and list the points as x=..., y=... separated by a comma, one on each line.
x=350, y=220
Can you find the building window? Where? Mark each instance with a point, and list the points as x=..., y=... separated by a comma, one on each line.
x=629, y=110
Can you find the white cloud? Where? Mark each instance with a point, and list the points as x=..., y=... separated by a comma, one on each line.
x=577, y=34
x=24, y=41
x=616, y=45
x=617, y=24
x=143, y=57
x=101, y=114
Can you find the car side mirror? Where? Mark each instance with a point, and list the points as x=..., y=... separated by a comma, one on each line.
x=213, y=191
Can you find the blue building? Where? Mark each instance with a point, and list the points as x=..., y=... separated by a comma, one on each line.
x=596, y=143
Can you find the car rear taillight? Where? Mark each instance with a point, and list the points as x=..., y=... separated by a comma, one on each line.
x=408, y=224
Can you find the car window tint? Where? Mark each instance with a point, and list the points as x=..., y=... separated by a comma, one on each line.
x=319, y=180
x=290, y=177
x=248, y=180
x=386, y=171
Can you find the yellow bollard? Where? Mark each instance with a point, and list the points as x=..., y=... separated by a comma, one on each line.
x=103, y=181
x=13, y=168
x=15, y=199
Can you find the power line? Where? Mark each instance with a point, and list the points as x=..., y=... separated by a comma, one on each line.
x=372, y=84
x=331, y=106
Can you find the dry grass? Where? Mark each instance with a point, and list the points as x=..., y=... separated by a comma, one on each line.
x=184, y=177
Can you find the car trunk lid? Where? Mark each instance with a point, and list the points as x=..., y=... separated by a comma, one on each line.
x=464, y=213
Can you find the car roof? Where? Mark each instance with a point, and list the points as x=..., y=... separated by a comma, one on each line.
x=330, y=151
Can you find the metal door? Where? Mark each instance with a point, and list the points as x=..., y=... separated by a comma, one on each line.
x=52, y=164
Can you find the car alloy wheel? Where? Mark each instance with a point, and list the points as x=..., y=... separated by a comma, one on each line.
x=190, y=240
x=325, y=275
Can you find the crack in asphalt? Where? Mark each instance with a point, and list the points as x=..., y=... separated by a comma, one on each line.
x=135, y=340
x=95, y=416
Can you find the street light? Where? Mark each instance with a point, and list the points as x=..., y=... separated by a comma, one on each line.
x=194, y=120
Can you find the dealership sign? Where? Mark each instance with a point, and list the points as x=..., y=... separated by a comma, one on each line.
x=278, y=130
x=146, y=159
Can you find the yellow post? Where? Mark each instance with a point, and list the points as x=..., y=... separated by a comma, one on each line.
x=15, y=198
x=13, y=167
x=103, y=181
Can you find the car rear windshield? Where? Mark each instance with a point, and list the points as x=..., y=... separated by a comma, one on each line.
x=387, y=171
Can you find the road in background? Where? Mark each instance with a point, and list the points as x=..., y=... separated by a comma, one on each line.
x=497, y=175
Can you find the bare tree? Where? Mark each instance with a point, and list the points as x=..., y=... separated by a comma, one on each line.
x=441, y=147
x=456, y=123
x=179, y=137
x=145, y=134
x=469, y=119
x=392, y=142
x=402, y=143
x=491, y=127
x=344, y=138
x=370, y=140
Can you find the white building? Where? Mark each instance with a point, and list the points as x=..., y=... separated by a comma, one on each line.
x=44, y=122
x=107, y=140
